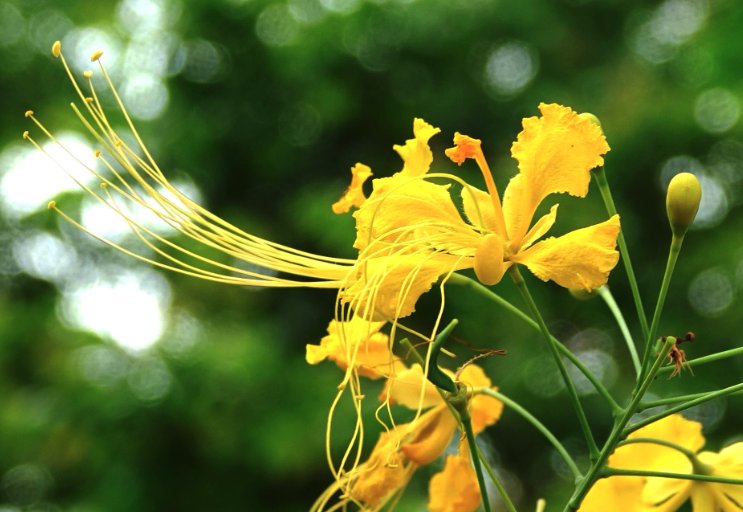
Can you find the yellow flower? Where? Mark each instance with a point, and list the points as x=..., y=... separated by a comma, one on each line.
x=410, y=233
x=400, y=451
x=637, y=493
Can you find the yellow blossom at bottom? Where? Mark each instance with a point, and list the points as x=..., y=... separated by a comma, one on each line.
x=455, y=489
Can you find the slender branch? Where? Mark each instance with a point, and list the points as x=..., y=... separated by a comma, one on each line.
x=668, y=401
x=494, y=478
x=490, y=295
x=538, y=425
x=617, y=433
x=474, y=452
x=603, y=184
x=609, y=299
x=572, y=393
x=706, y=359
x=679, y=476
x=652, y=440
x=684, y=406
x=650, y=340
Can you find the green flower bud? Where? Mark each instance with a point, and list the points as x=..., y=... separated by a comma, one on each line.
x=591, y=117
x=682, y=202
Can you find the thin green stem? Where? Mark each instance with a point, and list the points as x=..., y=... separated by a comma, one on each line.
x=572, y=393
x=679, y=476
x=538, y=425
x=490, y=295
x=682, y=407
x=651, y=338
x=609, y=299
x=617, y=433
x=651, y=440
x=603, y=184
x=410, y=351
x=467, y=424
x=494, y=478
x=706, y=359
x=668, y=401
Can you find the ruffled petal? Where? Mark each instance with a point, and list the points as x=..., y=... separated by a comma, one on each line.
x=437, y=428
x=398, y=203
x=405, y=389
x=555, y=153
x=455, y=489
x=582, y=259
x=388, y=287
x=614, y=494
x=354, y=194
x=416, y=153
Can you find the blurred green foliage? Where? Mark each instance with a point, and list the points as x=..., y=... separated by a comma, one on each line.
x=264, y=106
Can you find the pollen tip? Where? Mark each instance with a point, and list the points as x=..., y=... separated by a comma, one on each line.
x=103, y=185
x=88, y=74
x=25, y=134
x=97, y=153
x=96, y=55
x=29, y=113
x=118, y=143
x=57, y=49
x=88, y=100
x=51, y=205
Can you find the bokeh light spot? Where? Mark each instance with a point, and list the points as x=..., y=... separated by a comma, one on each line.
x=307, y=11
x=276, y=26
x=300, y=125
x=149, y=379
x=203, y=62
x=101, y=365
x=44, y=256
x=145, y=96
x=717, y=110
x=26, y=484
x=711, y=293
x=341, y=6
x=510, y=67
x=12, y=24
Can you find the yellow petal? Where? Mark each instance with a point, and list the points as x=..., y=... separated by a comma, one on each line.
x=539, y=229
x=659, y=490
x=555, y=153
x=614, y=495
x=405, y=389
x=517, y=210
x=703, y=499
x=581, y=259
x=455, y=489
x=477, y=205
x=485, y=410
x=415, y=153
x=398, y=203
x=437, y=428
x=354, y=194
x=357, y=340
x=389, y=287
x=385, y=472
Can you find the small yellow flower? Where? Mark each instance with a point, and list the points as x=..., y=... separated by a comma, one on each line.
x=655, y=494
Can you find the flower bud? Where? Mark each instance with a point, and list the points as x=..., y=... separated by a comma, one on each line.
x=682, y=201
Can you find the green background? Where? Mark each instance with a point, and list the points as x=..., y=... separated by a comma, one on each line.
x=263, y=107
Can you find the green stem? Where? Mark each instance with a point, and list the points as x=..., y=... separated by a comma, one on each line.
x=572, y=393
x=678, y=476
x=651, y=440
x=461, y=280
x=609, y=299
x=673, y=410
x=410, y=351
x=617, y=433
x=467, y=424
x=706, y=359
x=668, y=401
x=494, y=478
x=538, y=425
x=603, y=184
x=651, y=338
